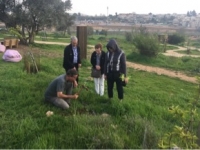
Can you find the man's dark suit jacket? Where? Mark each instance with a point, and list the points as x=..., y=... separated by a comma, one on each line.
x=69, y=57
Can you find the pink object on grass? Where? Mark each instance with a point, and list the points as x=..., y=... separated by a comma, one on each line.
x=12, y=55
x=2, y=48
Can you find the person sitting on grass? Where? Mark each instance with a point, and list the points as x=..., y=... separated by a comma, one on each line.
x=59, y=91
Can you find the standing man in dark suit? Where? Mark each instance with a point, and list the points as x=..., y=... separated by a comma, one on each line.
x=72, y=58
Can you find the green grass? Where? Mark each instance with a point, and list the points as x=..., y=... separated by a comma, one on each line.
x=52, y=47
x=171, y=47
x=53, y=39
x=192, y=52
x=24, y=124
x=189, y=65
x=186, y=64
x=195, y=43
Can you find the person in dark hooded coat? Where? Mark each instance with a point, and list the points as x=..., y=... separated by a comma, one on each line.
x=115, y=69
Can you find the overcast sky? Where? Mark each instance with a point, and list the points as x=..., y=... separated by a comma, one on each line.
x=102, y=7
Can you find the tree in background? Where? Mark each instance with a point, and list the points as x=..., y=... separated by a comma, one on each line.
x=176, y=38
x=33, y=16
x=65, y=22
x=147, y=44
x=90, y=30
x=129, y=36
x=104, y=32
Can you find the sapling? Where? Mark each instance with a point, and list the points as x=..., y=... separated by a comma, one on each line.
x=188, y=48
x=83, y=87
x=123, y=78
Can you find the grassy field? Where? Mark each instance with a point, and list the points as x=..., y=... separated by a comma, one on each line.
x=191, y=52
x=186, y=64
x=92, y=121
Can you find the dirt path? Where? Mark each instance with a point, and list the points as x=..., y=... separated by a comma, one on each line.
x=161, y=71
x=176, y=54
x=56, y=43
x=157, y=70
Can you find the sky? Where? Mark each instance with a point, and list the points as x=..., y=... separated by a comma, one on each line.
x=107, y=7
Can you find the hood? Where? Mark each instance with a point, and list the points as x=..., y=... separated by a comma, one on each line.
x=112, y=44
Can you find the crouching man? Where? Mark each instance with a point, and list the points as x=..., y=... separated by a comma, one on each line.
x=59, y=91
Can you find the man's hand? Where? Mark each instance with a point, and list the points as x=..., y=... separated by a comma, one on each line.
x=75, y=83
x=79, y=65
x=75, y=96
x=126, y=80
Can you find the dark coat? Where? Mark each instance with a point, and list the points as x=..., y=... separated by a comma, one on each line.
x=69, y=56
x=117, y=51
x=102, y=60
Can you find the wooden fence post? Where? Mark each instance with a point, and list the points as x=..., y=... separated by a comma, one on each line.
x=82, y=40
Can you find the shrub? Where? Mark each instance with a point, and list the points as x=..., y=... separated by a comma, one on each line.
x=104, y=32
x=147, y=45
x=176, y=39
x=102, y=39
x=90, y=30
x=128, y=36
